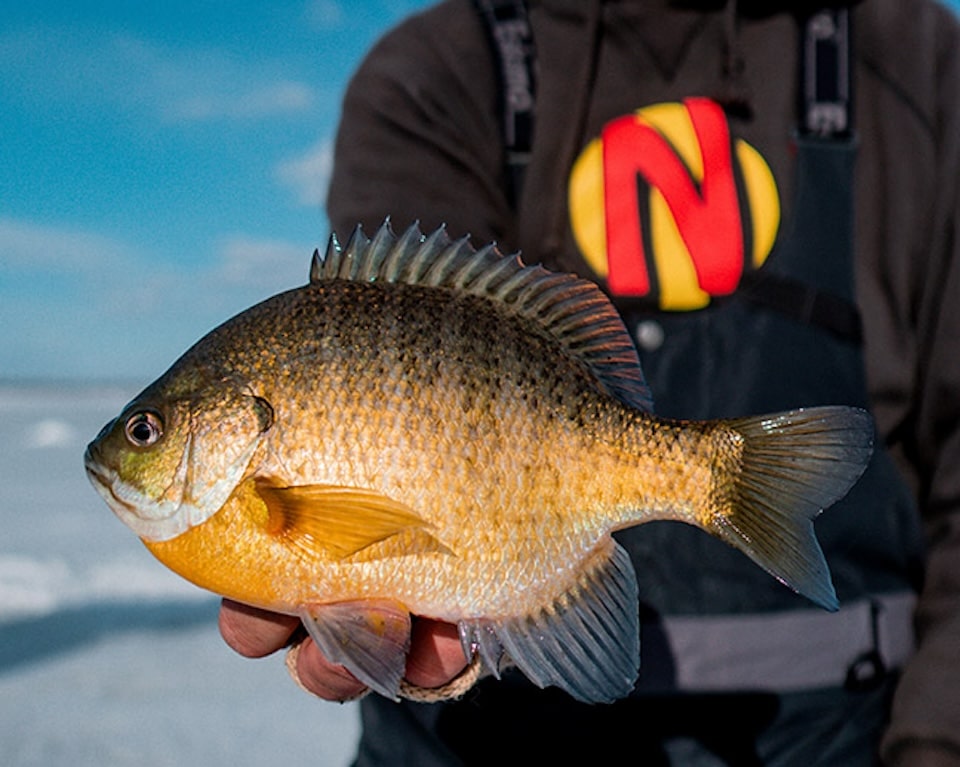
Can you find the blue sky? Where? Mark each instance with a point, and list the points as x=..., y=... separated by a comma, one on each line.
x=164, y=167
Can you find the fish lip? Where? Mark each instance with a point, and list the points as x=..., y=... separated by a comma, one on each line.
x=104, y=479
x=97, y=473
x=102, y=484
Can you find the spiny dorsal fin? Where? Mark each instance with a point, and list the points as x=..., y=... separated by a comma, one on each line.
x=574, y=310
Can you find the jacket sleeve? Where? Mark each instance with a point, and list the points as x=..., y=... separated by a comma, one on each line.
x=925, y=725
x=419, y=138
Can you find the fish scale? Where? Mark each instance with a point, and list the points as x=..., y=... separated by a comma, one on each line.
x=432, y=430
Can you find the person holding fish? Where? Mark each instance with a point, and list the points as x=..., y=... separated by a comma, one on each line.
x=453, y=478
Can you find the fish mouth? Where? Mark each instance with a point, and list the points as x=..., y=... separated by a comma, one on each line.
x=149, y=519
x=101, y=477
x=103, y=481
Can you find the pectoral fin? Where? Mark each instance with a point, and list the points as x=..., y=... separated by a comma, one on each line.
x=369, y=637
x=338, y=520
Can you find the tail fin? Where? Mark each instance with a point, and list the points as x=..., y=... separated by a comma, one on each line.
x=794, y=465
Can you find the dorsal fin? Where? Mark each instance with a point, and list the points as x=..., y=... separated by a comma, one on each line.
x=572, y=309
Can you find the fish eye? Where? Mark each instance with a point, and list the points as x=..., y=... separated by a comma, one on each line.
x=143, y=429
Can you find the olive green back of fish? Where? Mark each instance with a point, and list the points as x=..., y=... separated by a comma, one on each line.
x=475, y=412
x=487, y=396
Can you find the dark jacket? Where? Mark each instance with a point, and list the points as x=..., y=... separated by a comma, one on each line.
x=420, y=139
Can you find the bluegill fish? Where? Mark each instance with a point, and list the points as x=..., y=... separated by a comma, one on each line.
x=426, y=429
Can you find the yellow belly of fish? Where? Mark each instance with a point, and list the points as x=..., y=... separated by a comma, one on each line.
x=518, y=523
x=232, y=557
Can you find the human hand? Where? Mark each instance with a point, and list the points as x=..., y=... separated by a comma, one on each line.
x=434, y=659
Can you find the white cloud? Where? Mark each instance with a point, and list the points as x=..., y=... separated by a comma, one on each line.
x=56, y=277
x=58, y=67
x=260, y=263
x=125, y=279
x=51, y=433
x=264, y=101
x=326, y=14
x=28, y=247
x=308, y=175
x=209, y=84
x=77, y=302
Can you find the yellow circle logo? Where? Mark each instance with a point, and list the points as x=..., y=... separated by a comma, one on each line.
x=667, y=206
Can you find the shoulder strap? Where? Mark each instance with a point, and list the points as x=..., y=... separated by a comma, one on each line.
x=824, y=112
x=511, y=38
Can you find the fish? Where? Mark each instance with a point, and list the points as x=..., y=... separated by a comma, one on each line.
x=429, y=429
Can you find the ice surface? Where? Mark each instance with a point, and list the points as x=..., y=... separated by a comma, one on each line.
x=107, y=658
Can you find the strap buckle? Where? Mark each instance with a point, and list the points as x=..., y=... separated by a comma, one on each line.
x=825, y=74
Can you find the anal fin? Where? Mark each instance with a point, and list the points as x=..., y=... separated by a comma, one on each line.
x=586, y=642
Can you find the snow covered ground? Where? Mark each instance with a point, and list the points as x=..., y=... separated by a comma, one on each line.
x=107, y=658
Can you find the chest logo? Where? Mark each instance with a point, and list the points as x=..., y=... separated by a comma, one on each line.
x=667, y=206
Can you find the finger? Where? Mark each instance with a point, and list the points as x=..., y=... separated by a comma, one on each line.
x=435, y=656
x=252, y=632
x=327, y=680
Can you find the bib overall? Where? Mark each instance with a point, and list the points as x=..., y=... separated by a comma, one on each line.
x=735, y=668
